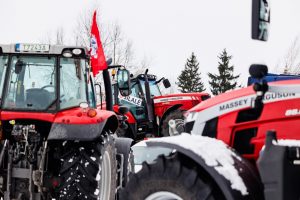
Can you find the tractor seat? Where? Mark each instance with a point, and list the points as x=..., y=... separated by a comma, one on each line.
x=37, y=98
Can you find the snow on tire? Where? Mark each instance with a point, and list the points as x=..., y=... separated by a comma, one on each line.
x=169, y=178
x=129, y=167
x=88, y=170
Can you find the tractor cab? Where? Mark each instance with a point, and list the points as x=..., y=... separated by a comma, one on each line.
x=139, y=102
x=153, y=84
x=32, y=80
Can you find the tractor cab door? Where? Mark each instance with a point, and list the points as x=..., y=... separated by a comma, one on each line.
x=135, y=101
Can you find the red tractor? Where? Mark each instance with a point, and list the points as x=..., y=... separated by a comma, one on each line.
x=56, y=143
x=151, y=113
x=223, y=157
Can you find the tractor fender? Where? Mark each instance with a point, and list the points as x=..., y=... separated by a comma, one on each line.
x=235, y=176
x=168, y=111
x=123, y=145
x=83, y=132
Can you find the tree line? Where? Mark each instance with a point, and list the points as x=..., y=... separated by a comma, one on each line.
x=190, y=78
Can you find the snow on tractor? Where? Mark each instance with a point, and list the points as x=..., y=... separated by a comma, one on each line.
x=56, y=143
x=152, y=114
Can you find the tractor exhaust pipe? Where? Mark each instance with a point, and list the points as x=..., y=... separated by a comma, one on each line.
x=149, y=100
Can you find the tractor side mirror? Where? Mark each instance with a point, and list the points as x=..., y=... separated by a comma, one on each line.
x=260, y=19
x=123, y=81
x=19, y=66
x=166, y=83
x=109, y=61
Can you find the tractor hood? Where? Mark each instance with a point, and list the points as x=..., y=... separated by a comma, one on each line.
x=185, y=101
x=237, y=100
x=225, y=97
x=181, y=97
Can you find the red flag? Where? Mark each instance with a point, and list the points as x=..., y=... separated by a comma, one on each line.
x=98, y=61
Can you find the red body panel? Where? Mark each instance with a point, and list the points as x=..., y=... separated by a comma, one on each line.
x=222, y=98
x=236, y=94
x=72, y=116
x=130, y=117
x=187, y=100
x=273, y=117
x=10, y=115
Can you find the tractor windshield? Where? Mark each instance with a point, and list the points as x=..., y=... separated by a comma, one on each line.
x=73, y=87
x=31, y=83
x=154, y=90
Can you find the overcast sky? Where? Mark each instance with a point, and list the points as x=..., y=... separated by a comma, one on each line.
x=165, y=31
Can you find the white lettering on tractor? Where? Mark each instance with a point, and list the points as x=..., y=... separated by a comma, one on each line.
x=233, y=104
x=292, y=112
x=132, y=99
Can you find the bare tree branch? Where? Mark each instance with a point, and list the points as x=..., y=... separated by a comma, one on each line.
x=291, y=61
x=60, y=36
x=56, y=37
x=115, y=44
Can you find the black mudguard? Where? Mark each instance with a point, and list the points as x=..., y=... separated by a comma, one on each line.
x=246, y=171
x=123, y=145
x=82, y=132
x=279, y=169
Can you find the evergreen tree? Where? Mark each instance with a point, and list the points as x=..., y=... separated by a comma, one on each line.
x=225, y=80
x=189, y=80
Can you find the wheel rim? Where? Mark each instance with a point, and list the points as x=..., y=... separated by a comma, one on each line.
x=105, y=178
x=163, y=195
x=179, y=126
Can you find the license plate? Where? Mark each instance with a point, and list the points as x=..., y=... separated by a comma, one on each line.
x=32, y=48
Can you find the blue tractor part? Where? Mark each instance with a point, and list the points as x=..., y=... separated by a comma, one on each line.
x=273, y=77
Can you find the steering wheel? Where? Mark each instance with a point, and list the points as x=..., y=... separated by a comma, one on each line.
x=48, y=86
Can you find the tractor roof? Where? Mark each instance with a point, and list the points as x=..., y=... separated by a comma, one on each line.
x=39, y=48
x=142, y=76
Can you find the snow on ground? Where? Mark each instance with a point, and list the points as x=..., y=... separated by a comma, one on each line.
x=215, y=154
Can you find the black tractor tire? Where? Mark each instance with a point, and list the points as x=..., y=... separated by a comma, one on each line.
x=88, y=170
x=175, y=115
x=169, y=178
